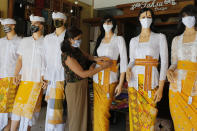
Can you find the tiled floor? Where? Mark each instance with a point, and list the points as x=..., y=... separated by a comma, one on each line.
x=119, y=126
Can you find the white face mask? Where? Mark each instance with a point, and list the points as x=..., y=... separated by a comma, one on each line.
x=146, y=22
x=107, y=28
x=189, y=21
x=77, y=43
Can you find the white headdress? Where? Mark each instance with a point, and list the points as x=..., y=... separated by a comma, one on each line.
x=58, y=15
x=37, y=18
x=7, y=21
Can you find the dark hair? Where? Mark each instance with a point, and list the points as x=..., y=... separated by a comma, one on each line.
x=189, y=10
x=102, y=35
x=152, y=27
x=71, y=33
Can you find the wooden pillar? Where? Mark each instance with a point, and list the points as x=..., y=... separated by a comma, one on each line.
x=3, y=12
x=10, y=8
x=120, y=27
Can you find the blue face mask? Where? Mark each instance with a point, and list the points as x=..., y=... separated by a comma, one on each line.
x=77, y=43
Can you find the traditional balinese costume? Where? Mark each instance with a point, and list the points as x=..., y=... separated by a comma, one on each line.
x=28, y=100
x=145, y=78
x=54, y=74
x=106, y=81
x=8, y=58
x=183, y=93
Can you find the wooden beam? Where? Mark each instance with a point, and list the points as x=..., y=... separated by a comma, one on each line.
x=10, y=8
x=133, y=9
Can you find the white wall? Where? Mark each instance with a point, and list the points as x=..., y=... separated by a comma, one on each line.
x=110, y=3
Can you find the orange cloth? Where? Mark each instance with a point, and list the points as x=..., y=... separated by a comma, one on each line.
x=142, y=109
x=7, y=94
x=184, y=114
x=149, y=62
x=106, y=81
x=28, y=99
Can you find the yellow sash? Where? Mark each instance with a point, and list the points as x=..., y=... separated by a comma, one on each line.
x=106, y=80
x=191, y=77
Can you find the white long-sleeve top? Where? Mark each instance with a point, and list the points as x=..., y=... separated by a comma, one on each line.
x=32, y=58
x=183, y=52
x=54, y=71
x=8, y=56
x=155, y=47
x=113, y=50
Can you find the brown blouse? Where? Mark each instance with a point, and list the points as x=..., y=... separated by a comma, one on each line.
x=70, y=76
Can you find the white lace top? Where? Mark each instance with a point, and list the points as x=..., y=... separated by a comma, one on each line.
x=113, y=50
x=183, y=51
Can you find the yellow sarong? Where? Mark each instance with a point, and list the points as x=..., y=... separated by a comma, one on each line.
x=28, y=99
x=103, y=96
x=183, y=110
x=102, y=106
x=7, y=94
x=142, y=109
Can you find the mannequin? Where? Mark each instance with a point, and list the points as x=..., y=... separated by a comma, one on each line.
x=145, y=87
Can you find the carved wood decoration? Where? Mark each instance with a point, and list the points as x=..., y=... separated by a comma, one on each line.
x=160, y=7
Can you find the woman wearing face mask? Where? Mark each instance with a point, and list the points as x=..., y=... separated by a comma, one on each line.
x=75, y=63
x=182, y=73
x=106, y=82
x=145, y=83
x=8, y=58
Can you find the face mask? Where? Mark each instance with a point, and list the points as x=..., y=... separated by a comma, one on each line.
x=146, y=22
x=34, y=29
x=77, y=43
x=7, y=29
x=107, y=28
x=189, y=21
x=58, y=23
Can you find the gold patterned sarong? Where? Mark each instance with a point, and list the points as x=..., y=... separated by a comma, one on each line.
x=142, y=109
x=183, y=105
x=7, y=94
x=102, y=107
x=28, y=99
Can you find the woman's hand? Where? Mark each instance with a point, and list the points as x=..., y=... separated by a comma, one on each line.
x=128, y=74
x=159, y=92
x=118, y=90
x=158, y=95
x=101, y=59
x=171, y=76
x=106, y=64
x=92, y=67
